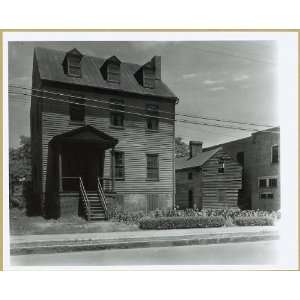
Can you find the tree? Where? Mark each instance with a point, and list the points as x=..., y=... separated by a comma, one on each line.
x=181, y=148
x=19, y=165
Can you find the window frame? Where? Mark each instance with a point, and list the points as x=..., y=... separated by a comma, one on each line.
x=267, y=179
x=111, y=71
x=153, y=111
x=72, y=64
x=267, y=196
x=272, y=154
x=120, y=166
x=148, y=76
x=74, y=108
x=149, y=155
x=190, y=175
x=117, y=104
x=221, y=166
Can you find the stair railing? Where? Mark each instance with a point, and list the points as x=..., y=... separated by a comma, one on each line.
x=85, y=198
x=102, y=198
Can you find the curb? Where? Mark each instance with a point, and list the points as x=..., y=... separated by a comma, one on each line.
x=93, y=245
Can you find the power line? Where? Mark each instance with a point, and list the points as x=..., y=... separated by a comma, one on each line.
x=134, y=113
x=139, y=108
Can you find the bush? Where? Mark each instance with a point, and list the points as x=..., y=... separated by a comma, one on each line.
x=125, y=216
x=180, y=222
x=254, y=221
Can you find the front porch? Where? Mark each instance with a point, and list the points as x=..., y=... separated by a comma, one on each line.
x=81, y=187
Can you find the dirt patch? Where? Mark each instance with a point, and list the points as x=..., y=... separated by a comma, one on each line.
x=21, y=224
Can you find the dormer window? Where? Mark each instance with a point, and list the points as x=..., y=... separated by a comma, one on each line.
x=150, y=73
x=148, y=77
x=111, y=69
x=72, y=63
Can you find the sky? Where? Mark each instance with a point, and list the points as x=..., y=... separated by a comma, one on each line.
x=229, y=80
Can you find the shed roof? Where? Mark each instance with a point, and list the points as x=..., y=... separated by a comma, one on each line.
x=50, y=66
x=197, y=161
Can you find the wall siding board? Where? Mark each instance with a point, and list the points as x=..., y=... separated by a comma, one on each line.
x=134, y=141
x=207, y=181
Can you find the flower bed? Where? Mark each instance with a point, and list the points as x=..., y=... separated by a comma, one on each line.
x=254, y=221
x=229, y=215
x=180, y=222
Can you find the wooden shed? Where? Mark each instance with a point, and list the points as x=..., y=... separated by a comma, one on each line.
x=207, y=179
x=102, y=135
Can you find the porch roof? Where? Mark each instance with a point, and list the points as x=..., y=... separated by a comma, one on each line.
x=86, y=134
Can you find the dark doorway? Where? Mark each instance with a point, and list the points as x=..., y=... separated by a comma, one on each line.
x=191, y=199
x=81, y=160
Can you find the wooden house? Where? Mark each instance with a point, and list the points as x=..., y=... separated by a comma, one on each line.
x=207, y=179
x=259, y=155
x=102, y=135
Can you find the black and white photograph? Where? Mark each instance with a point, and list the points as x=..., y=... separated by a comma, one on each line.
x=151, y=150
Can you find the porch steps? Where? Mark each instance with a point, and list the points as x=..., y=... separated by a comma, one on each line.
x=96, y=209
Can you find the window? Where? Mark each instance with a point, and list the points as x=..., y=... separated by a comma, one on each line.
x=240, y=158
x=119, y=165
x=149, y=79
x=113, y=72
x=275, y=154
x=152, y=123
x=152, y=202
x=221, y=165
x=152, y=167
x=117, y=114
x=270, y=182
x=190, y=175
x=266, y=196
x=262, y=183
x=74, y=66
x=273, y=182
x=191, y=199
x=77, y=111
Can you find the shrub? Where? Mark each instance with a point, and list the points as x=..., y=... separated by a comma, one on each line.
x=125, y=216
x=180, y=222
x=254, y=221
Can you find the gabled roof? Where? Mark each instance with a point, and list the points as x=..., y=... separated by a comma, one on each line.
x=74, y=51
x=86, y=134
x=49, y=64
x=199, y=160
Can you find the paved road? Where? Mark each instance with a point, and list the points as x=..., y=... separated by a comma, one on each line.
x=247, y=253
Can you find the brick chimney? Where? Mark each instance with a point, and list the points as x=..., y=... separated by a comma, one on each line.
x=195, y=148
x=156, y=62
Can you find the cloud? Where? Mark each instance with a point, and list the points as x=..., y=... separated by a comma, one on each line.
x=190, y=75
x=217, y=88
x=212, y=82
x=241, y=77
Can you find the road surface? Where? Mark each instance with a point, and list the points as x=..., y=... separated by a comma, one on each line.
x=246, y=253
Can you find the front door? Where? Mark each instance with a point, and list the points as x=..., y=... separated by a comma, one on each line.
x=81, y=160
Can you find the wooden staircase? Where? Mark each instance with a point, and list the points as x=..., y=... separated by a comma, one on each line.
x=96, y=210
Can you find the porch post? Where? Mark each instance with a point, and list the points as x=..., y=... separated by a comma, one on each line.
x=60, y=169
x=113, y=169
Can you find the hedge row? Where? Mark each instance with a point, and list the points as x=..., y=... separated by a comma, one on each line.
x=254, y=221
x=181, y=222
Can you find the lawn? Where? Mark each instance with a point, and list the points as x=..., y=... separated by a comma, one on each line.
x=20, y=224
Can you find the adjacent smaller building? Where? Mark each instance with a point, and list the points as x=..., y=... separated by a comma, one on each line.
x=207, y=179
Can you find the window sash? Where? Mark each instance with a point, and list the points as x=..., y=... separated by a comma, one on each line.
x=77, y=111
x=119, y=165
x=152, y=166
x=152, y=122
x=117, y=117
x=271, y=182
x=275, y=154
